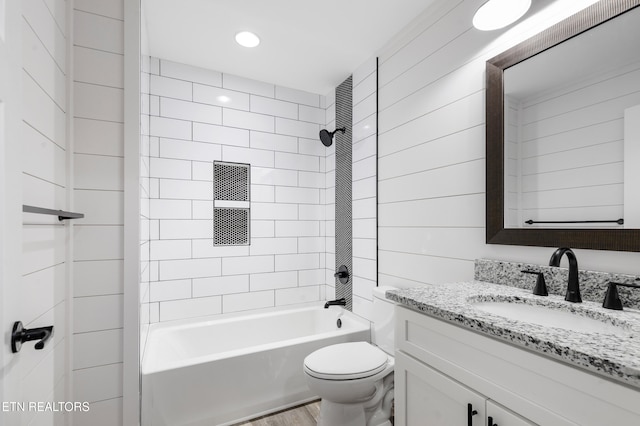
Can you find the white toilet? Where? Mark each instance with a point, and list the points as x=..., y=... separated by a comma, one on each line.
x=355, y=380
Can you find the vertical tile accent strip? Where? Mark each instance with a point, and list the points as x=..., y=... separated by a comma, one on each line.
x=344, y=107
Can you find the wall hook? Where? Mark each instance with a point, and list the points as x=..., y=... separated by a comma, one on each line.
x=19, y=335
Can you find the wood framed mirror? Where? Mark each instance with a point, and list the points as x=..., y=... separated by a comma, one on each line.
x=613, y=236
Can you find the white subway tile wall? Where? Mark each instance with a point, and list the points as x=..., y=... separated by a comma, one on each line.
x=202, y=116
x=166, y=209
x=98, y=87
x=329, y=195
x=364, y=175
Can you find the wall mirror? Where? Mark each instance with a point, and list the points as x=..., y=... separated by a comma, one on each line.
x=563, y=134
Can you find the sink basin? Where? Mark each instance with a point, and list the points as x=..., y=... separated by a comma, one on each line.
x=550, y=316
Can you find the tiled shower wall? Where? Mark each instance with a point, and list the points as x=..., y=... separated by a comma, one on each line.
x=98, y=58
x=363, y=191
x=198, y=116
x=342, y=141
x=330, y=200
x=144, y=190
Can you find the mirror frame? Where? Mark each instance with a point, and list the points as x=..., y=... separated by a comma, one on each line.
x=496, y=233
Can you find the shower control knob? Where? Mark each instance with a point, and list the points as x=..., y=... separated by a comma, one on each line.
x=343, y=274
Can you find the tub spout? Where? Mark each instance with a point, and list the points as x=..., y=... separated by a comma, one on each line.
x=339, y=302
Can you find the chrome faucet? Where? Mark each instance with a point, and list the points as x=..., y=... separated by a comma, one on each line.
x=339, y=302
x=573, y=286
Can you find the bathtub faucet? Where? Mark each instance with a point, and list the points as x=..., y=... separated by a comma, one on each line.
x=339, y=302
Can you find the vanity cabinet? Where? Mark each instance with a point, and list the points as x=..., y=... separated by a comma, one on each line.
x=441, y=368
x=425, y=396
x=497, y=415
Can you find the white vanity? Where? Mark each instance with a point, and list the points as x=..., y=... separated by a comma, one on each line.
x=457, y=364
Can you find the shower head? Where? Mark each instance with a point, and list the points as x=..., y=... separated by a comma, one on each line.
x=326, y=137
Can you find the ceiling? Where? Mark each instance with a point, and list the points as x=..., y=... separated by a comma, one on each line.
x=311, y=45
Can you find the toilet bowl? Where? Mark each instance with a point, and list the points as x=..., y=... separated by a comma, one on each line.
x=355, y=379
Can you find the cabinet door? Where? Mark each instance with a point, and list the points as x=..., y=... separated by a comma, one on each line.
x=497, y=415
x=425, y=397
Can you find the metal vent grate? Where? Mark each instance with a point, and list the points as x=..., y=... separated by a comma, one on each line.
x=230, y=181
x=230, y=227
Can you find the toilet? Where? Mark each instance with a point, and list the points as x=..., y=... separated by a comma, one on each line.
x=355, y=379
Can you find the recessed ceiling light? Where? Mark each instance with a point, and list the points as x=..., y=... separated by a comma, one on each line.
x=496, y=14
x=247, y=39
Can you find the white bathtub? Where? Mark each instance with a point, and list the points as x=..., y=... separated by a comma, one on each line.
x=223, y=371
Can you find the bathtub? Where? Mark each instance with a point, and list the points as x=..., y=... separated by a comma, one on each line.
x=223, y=371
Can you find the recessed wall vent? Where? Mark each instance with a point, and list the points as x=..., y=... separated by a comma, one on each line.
x=231, y=204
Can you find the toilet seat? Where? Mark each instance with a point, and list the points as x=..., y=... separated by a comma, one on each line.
x=346, y=361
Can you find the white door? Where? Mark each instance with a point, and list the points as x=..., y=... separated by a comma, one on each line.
x=10, y=205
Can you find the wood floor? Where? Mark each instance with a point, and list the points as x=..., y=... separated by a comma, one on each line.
x=302, y=415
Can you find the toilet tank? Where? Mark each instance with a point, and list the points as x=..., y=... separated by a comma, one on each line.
x=383, y=326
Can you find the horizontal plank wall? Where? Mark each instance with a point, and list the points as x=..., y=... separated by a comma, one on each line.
x=99, y=193
x=431, y=149
x=199, y=116
x=364, y=190
x=44, y=184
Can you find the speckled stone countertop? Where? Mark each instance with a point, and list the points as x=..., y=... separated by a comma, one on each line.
x=616, y=356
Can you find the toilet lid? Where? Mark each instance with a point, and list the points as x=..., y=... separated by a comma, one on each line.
x=344, y=361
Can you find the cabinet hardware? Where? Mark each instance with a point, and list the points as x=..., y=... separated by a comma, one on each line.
x=470, y=413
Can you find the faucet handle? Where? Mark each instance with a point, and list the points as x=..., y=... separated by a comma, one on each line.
x=342, y=274
x=541, y=286
x=612, y=298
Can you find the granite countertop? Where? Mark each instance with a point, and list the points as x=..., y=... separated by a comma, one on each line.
x=616, y=356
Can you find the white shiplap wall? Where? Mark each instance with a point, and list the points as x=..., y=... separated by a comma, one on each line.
x=98, y=190
x=431, y=149
x=44, y=184
x=364, y=169
x=198, y=116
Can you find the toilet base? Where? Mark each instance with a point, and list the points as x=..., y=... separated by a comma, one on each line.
x=334, y=414
x=373, y=412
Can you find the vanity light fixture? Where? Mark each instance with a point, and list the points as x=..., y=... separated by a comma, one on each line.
x=247, y=39
x=496, y=14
